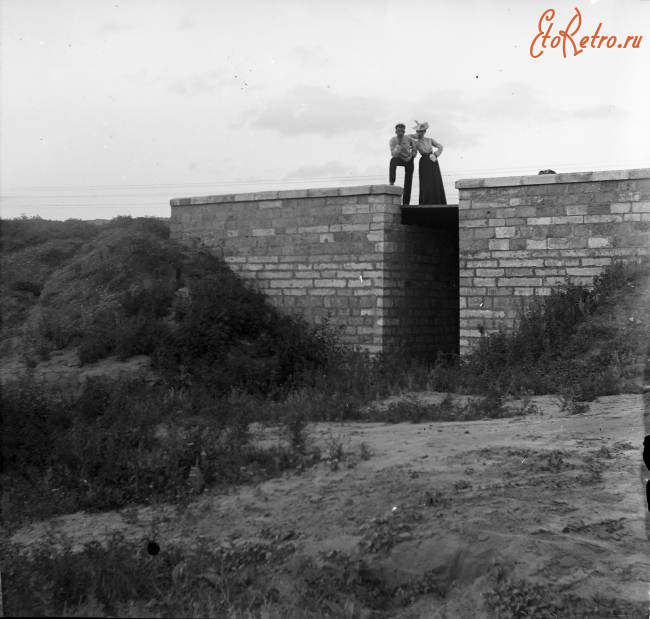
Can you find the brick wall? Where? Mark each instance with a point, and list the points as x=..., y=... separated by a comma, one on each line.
x=522, y=236
x=340, y=254
x=421, y=283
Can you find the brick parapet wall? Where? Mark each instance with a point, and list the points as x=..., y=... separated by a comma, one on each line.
x=319, y=252
x=523, y=236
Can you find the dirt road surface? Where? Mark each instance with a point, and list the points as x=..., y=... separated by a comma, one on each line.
x=551, y=498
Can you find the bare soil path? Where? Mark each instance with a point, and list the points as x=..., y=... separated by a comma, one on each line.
x=549, y=498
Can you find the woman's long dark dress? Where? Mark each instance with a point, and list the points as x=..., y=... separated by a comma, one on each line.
x=432, y=191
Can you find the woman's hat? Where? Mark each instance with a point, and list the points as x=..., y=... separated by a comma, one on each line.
x=421, y=126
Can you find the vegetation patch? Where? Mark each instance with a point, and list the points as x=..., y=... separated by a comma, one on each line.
x=584, y=341
x=126, y=579
x=519, y=598
x=124, y=289
x=120, y=443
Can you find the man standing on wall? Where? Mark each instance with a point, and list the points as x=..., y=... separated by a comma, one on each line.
x=402, y=149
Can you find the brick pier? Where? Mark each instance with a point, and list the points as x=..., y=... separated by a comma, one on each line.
x=521, y=236
x=343, y=255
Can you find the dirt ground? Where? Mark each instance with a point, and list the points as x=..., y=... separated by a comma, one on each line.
x=550, y=498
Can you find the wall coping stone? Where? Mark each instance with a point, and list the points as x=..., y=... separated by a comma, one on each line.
x=545, y=179
x=261, y=196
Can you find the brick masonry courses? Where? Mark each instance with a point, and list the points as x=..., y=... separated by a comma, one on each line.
x=522, y=236
x=341, y=255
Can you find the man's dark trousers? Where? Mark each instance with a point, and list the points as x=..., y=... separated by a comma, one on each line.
x=408, y=176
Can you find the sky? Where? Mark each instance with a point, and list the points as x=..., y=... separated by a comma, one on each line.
x=114, y=107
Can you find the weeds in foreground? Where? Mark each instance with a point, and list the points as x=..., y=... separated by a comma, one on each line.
x=510, y=599
x=410, y=409
x=383, y=532
x=569, y=402
x=334, y=450
x=123, y=443
x=295, y=426
x=121, y=578
x=365, y=453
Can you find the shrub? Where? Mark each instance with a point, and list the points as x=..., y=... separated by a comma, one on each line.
x=95, y=399
x=31, y=418
x=151, y=301
x=57, y=328
x=98, y=342
x=148, y=225
x=54, y=579
x=17, y=234
x=120, y=578
x=139, y=335
x=229, y=336
x=118, y=295
x=295, y=426
x=573, y=337
x=521, y=598
x=124, y=442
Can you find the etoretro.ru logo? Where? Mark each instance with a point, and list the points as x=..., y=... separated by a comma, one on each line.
x=569, y=37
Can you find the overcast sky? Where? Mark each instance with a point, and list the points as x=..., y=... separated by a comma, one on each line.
x=114, y=107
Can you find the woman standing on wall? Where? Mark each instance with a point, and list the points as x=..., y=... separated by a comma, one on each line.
x=432, y=190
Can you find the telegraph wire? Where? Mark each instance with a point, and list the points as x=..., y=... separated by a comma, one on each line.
x=217, y=183
x=161, y=193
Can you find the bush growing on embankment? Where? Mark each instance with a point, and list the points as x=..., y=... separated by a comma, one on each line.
x=123, y=289
x=588, y=341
